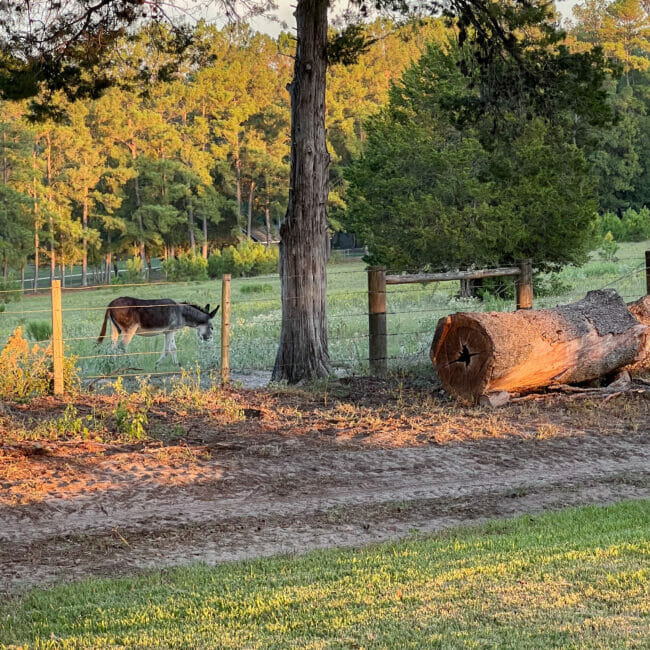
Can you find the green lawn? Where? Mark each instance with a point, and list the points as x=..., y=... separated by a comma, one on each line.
x=574, y=579
x=413, y=311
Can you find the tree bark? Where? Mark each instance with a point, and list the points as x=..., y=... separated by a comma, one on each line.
x=204, y=246
x=303, y=353
x=251, y=197
x=267, y=212
x=84, y=226
x=190, y=224
x=37, y=224
x=480, y=353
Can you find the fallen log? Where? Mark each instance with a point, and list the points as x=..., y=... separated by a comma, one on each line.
x=480, y=353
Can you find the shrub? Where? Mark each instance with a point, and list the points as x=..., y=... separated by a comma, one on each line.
x=609, y=222
x=248, y=259
x=186, y=267
x=608, y=248
x=27, y=371
x=133, y=273
x=636, y=224
x=9, y=292
x=39, y=330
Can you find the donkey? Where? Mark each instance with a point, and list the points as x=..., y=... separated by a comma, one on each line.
x=131, y=316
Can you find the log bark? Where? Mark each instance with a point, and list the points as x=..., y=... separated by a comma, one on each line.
x=641, y=311
x=480, y=353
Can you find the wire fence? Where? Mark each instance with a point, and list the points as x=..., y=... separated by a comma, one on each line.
x=411, y=313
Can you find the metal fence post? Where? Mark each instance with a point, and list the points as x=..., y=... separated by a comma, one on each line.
x=377, y=346
x=57, y=337
x=225, y=329
x=525, y=285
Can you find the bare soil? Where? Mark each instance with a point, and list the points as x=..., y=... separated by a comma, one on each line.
x=358, y=462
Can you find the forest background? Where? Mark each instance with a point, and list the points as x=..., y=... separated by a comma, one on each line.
x=201, y=158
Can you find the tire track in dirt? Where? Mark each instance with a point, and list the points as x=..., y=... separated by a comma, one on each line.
x=299, y=499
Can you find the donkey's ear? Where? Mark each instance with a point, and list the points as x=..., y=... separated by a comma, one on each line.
x=206, y=309
x=214, y=311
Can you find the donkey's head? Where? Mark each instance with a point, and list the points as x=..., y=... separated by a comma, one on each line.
x=204, y=329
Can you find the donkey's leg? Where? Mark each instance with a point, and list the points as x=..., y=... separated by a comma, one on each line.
x=128, y=335
x=115, y=337
x=165, y=351
x=172, y=348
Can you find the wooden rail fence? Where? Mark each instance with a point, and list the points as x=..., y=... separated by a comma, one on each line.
x=377, y=281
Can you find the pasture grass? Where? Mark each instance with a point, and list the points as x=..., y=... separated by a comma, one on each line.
x=576, y=578
x=413, y=312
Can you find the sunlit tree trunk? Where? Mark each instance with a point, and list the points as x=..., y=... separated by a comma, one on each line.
x=304, y=246
x=251, y=197
x=84, y=225
x=204, y=249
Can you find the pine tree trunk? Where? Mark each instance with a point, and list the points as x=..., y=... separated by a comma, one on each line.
x=251, y=196
x=238, y=182
x=267, y=212
x=190, y=227
x=84, y=225
x=37, y=225
x=204, y=247
x=303, y=353
x=49, y=195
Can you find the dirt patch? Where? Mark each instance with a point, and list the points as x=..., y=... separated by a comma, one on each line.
x=250, y=473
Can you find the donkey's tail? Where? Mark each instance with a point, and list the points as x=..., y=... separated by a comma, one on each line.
x=102, y=334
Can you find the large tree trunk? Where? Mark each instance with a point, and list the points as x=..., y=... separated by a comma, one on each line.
x=479, y=353
x=304, y=246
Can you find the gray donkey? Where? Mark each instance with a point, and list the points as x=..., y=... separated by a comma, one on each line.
x=131, y=316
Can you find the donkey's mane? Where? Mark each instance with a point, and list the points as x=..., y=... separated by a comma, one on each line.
x=191, y=304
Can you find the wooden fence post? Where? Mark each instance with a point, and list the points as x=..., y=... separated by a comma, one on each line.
x=225, y=329
x=377, y=346
x=647, y=273
x=525, y=285
x=57, y=337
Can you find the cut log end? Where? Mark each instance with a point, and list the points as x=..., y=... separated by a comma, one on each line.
x=464, y=356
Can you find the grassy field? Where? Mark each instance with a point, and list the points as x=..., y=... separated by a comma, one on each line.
x=413, y=311
x=578, y=578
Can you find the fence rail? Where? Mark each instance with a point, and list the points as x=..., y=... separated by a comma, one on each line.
x=378, y=279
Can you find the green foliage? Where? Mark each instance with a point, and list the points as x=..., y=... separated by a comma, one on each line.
x=130, y=420
x=9, y=291
x=186, y=267
x=134, y=273
x=431, y=190
x=636, y=224
x=248, y=259
x=632, y=227
x=39, y=330
x=609, y=222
